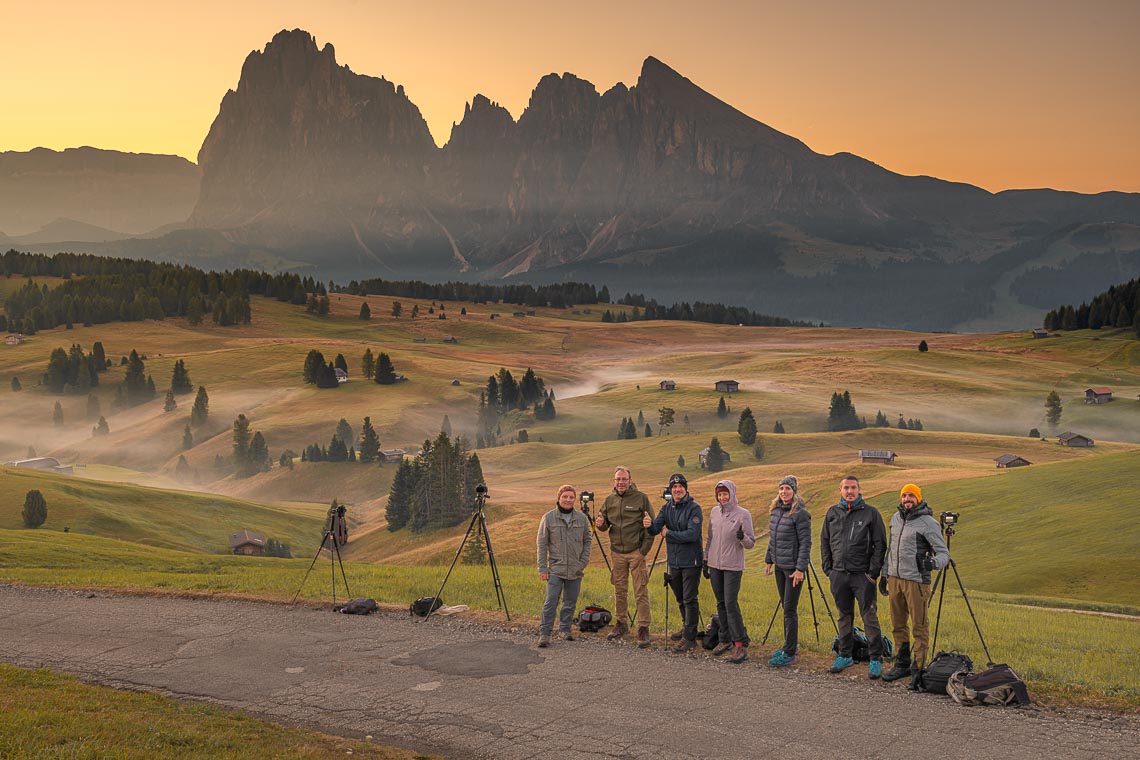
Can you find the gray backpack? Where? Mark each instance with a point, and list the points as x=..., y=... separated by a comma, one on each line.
x=998, y=685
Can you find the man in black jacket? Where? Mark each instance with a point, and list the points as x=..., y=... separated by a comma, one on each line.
x=853, y=542
x=680, y=522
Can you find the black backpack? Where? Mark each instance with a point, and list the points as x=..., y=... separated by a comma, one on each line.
x=710, y=637
x=861, y=648
x=933, y=678
x=593, y=618
x=425, y=605
x=361, y=606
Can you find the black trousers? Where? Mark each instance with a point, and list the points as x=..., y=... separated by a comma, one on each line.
x=726, y=589
x=790, y=597
x=685, y=581
x=846, y=588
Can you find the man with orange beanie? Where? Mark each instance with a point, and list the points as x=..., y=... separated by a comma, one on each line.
x=914, y=549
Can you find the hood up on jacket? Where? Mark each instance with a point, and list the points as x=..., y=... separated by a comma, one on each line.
x=732, y=503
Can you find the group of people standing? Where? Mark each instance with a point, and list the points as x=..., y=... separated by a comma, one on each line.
x=856, y=555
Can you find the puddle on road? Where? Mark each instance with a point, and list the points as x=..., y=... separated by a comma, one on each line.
x=476, y=659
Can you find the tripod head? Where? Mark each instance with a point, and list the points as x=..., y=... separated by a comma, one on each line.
x=949, y=520
x=481, y=497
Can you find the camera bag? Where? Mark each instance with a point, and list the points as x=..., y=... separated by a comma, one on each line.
x=861, y=648
x=934, y=677
x=998, y=685
x=425, y=605
x=359, y=606
x=710, y=637
x=593, y=618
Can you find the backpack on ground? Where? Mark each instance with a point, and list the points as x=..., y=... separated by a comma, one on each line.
x=998, y=685
x=933, y=678
x=861, y=648
x=360, y=606
x=710, y=636
x=425, y=605
x=593, y=618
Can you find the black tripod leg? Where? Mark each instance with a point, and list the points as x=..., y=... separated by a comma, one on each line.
x=823, y=597
x=500, y=594
x=470, y=525
x=938, y=616
x=814, y=619
x=989, y=659
x=771, y=622
x=311, y=564
x=347, y=593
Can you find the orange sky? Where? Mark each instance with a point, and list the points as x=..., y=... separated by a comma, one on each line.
x=998, y=93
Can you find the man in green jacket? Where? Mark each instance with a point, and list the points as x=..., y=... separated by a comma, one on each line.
x=621, y=516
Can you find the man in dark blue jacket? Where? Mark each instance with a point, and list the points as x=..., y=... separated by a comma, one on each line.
x=680, y=522
x=853, y=542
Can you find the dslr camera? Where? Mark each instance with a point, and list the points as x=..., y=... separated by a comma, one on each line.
x=949, y=518
x=586, y=498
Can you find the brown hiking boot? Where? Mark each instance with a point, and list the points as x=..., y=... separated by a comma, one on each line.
x=677, y=635
x=684, y=645
x=544, y=641
x=567, y=635
x=721, y=648
x=619, y=630
x=739, y=655
x=643, y=637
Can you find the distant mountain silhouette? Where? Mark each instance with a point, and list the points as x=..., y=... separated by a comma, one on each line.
x=131, y=193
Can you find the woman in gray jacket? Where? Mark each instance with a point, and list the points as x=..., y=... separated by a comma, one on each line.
x=789, y=551
x=563, y=553
x=730, y=533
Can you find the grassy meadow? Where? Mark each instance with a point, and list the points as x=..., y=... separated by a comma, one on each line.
x=1056, y=534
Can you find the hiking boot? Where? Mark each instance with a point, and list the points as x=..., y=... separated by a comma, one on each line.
x=567, y=635
x=781, y=659
x=544, y=641
x=739, y=655
x=619, y=630
x=875, y=669
x=915, y=676
x=684, y=645
x=897, y=671
x=841, y=663
x=677, y=635
x=643, y=637
x=721, y=648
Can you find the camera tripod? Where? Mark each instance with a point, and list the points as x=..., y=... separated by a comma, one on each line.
x=814, y=619
x=940, y=580
x=336, y=529
x=478, y=523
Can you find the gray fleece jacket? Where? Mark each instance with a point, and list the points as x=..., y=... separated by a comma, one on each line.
x=913, y=532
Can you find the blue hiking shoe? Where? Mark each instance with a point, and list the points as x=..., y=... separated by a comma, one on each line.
x=781, y=659
x=841, y=663
x=876, y=669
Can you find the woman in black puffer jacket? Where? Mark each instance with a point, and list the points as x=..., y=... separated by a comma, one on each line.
x=789, y=550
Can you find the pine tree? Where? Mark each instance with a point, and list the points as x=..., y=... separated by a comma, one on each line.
x=187, y=438
x=415, y=311
x=881, y=420
x=241, y=436
x=640, y=418
x=99, y=356
x=102, y=428
x=445, y=426
x=522, y=436
x=621, y=428
x=16, y=384
x=721, y=408
x=648, y=431
x=748, y=430
x=778, y=427
x=180, y=379
x=368, y=364
x=201, y=408
x=664, y=418
x=369, y=442
x=397, y=309
x=404, y=485
x=151, y=391
x=134, y=382
x=314, y=361
x=341, y=364
x=170, y=404
x=1034, y=433
x=385, y=372
x=337, y=451
x=35, y=509
x=680, y=461
x=901, y=424
x=258, y=460
x=344, y=432
x=1053, y=409
x=365, y=311
x=842, y=414
x=758, y=450
x=714, y=459
x=57, y=415
x=326, y=377
x=182, y=469
x=923, y=347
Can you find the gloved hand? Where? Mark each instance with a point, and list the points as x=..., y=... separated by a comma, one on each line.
x=925, y=562
x=883, y=585
x=705, y=570
x=740, y=533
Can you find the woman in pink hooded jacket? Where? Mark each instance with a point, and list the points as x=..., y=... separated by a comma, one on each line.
x=730, y=533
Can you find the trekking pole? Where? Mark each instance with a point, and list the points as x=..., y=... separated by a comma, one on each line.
x=772, y=622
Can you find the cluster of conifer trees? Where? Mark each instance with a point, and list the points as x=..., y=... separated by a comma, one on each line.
x=714, y=313
x=558, y=295
x=1119, y=306
x=437, y=488
x=100, y=289
x=504, y=394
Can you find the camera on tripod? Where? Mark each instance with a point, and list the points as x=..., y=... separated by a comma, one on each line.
x=336, y=524
x=949, y=518
x=586, y=498
x=667, y=493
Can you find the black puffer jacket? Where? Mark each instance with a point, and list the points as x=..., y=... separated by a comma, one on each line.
x=854, y=538
x=789, y=536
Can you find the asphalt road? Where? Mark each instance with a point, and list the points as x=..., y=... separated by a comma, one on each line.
x=470, y=690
